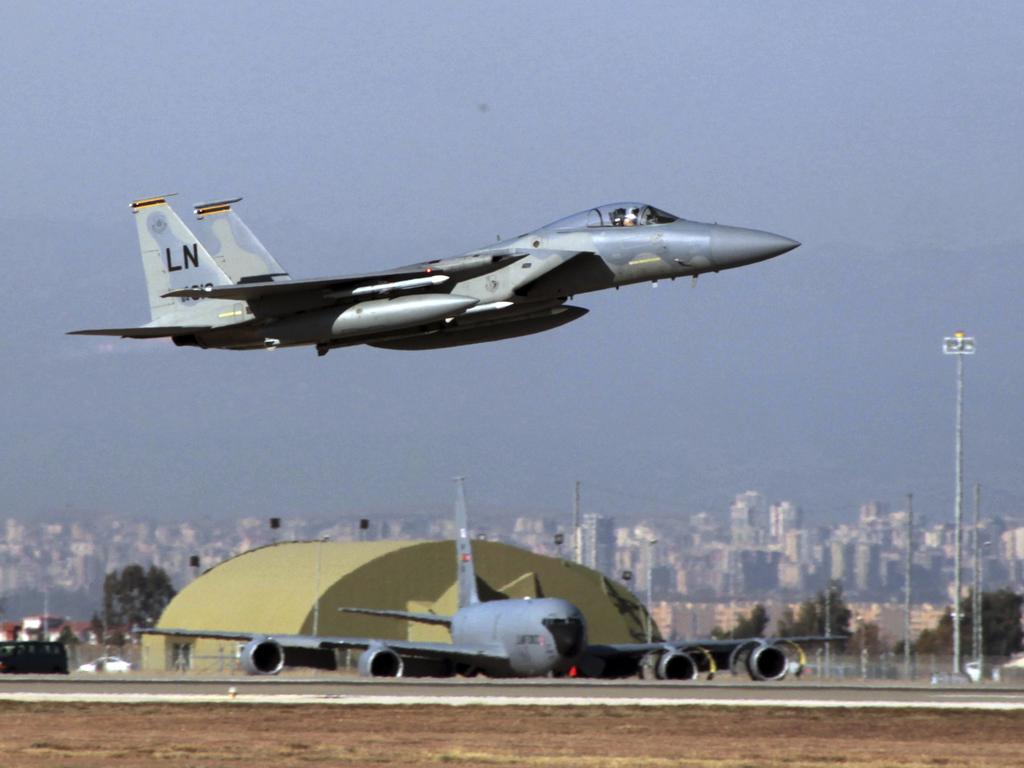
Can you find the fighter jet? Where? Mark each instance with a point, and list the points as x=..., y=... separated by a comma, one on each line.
x=507, y=638
x=240, y=298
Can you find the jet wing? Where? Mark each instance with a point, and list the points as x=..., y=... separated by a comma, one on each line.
x=323, y=285
x=711, y=645
x=468, y=654
x=426, y=274
x=423, y=618
x=763, y=658
x=463, y=653
x=144, y=332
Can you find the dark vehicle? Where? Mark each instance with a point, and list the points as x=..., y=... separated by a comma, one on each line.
x=33, y=657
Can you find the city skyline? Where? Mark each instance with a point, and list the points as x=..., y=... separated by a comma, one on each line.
x=752, y=550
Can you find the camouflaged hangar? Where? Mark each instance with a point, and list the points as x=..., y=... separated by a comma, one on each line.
x=297, y=588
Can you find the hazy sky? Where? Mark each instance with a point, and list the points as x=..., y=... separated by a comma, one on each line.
x=887, y=137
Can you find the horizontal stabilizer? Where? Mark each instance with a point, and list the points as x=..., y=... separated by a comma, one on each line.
x=212, y=634
x=422, y=618
x=152, y=332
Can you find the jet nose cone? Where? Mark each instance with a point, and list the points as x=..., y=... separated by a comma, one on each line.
x=735, y=246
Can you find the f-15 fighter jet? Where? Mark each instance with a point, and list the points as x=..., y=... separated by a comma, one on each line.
x=239, y=297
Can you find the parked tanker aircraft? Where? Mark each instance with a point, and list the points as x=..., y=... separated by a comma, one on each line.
x=224, y=290
x=529, y=637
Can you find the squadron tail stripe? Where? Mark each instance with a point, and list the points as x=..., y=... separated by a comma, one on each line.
x=148, y=202
x=212, y=210
x=208, y=209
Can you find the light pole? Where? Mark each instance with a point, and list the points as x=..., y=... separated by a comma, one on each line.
x=976, y=607
x=828, y=629
x=958, y=344
x=650, y=592
x=863, y=647
x=907, y=569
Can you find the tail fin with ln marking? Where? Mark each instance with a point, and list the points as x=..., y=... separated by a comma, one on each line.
x=173, y=258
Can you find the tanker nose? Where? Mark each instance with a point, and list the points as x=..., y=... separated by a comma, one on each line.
x=735, y=246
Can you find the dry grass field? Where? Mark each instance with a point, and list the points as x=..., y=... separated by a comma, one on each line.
x=201, y=735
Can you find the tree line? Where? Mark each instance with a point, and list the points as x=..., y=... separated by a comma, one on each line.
x=1001, y=625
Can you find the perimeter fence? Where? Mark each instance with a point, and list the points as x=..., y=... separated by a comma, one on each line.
x=935, y=668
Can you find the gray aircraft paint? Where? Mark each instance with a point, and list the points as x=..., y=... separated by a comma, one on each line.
x=241, y=298
x=237, y=251
x=506, y=638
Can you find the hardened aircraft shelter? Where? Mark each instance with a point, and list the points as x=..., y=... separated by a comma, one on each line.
x=297, y=587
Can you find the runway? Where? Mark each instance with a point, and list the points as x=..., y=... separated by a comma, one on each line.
x=459, y=692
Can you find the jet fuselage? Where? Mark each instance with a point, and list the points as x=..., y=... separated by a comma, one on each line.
x=525, y=291
x=512, y=288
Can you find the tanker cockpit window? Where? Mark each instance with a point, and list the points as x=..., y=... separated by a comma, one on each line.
x=567, y=634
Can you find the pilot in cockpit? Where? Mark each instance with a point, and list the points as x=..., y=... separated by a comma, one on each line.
x=621, y=217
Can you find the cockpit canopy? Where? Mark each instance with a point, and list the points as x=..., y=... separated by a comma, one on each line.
x=615, y=215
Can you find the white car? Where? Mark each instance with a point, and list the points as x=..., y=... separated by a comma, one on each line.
x=107, y=664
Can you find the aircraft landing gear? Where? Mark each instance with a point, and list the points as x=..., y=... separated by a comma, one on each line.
x=322, y=349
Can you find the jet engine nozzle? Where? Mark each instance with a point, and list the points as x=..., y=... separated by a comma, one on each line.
x=767, y=662
x=262, y=656
x=380, y=661
x=186, y=340
x=668, y=665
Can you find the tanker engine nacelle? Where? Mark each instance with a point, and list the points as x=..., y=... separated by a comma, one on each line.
x=767, y=662
x=668, y=665
x=262, y=656
x=380, y=661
